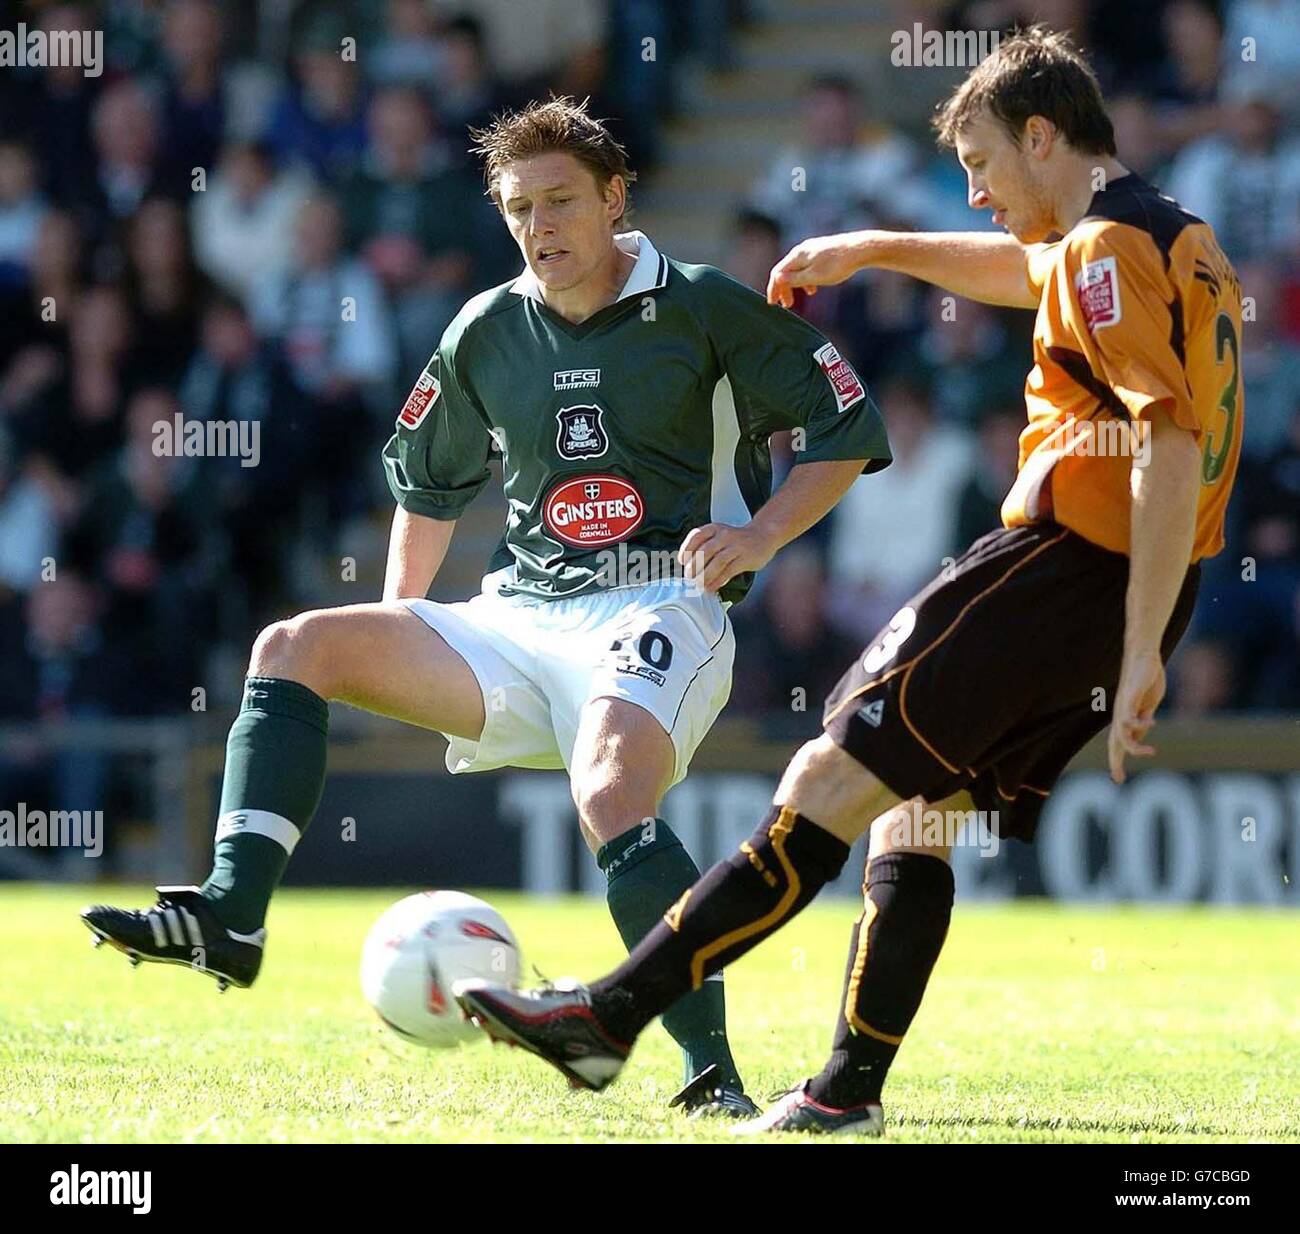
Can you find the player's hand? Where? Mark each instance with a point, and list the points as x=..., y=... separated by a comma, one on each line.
x=818, y=262
x=1141, y=687
x=714, y=554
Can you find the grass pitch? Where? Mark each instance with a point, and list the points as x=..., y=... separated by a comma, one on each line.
x=1041, y=1023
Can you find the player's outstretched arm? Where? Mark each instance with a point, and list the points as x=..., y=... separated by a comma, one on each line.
x=416, y=548
x=981, y=266
x=1162, y=531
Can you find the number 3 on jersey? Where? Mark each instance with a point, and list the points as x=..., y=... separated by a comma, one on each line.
x=1218, y=444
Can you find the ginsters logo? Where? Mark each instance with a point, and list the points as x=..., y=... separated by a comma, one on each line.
x=591, y=511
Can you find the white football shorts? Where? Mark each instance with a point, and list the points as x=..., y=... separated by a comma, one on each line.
x=667, y=647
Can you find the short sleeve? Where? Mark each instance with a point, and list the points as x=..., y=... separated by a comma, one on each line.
x=1038, y=265
x=436, y=460
x=785, y=375
x=1119, y=297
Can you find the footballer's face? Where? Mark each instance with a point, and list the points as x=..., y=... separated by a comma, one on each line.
x=562, y=219
x=1007, y=176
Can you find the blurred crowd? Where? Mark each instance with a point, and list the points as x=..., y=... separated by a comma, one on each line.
x=258, y=214
x=177, y=236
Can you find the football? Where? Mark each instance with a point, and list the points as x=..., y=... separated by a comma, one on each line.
x=418, y=948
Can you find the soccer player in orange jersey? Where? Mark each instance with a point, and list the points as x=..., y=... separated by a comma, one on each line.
x=985, y=684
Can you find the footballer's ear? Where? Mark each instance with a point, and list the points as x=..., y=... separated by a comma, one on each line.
x=615, y=196
x=1038, y=137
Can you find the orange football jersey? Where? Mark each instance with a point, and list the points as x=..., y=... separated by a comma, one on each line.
x=1138, y=306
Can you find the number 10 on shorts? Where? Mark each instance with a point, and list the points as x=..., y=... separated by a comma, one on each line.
x=648, y=656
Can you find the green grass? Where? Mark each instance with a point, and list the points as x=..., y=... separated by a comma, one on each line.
x=1040, y=1024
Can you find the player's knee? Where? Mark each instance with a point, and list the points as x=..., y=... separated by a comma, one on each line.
x=912, y=827
x=605, y=807
x=820, y=762
x=828, y=785
x=610, y=800
x=297, y=650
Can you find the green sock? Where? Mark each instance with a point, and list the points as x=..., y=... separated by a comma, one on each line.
x=275, y=770
x=648, y=869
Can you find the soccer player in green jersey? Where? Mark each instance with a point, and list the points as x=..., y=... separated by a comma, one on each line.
x=631, y=398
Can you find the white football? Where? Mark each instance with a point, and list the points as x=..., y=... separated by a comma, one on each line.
x=419, y=948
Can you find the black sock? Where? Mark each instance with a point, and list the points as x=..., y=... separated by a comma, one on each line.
x=648, y=869
x=895, y=945
x=736, y=905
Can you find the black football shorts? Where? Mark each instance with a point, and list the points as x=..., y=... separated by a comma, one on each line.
x=996, y=674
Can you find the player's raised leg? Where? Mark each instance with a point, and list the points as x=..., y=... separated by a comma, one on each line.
x=823, y=803
x=622, y=764
x=736, y=905
x=275, y=771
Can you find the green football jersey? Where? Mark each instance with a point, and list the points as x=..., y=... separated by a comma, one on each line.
x=621, y=434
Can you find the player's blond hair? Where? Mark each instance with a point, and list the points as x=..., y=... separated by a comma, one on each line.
x=1035, y=72
x=559, y=124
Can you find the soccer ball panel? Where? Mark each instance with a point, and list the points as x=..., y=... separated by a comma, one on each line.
x=418, y=948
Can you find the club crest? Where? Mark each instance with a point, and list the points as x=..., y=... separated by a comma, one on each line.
x=582, y=435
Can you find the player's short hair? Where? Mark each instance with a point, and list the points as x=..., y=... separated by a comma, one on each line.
x=559, y=124
x=1034, y=72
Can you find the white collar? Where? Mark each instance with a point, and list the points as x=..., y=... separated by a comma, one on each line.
x=649, y=274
